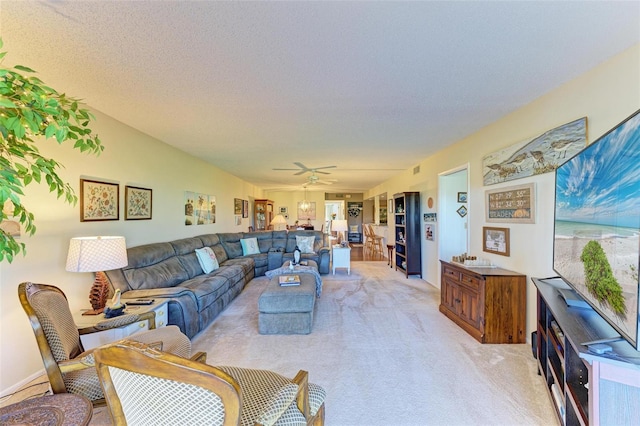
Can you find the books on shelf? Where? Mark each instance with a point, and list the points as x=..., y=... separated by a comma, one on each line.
x=288, y=280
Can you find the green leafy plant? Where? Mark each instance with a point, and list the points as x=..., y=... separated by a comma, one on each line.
x=30, y=113
x=600, y=280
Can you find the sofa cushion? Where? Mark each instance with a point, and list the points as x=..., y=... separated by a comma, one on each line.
x=213, y=241
x=207, y=288
x=249, y=246
x=167, y=273
x=207, y=259
x=305, y=244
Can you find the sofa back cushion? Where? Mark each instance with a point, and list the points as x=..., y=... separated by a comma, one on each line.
x=213, y=241
x=231, y=243
x=153, y=266
x=185, y=250
x=318, y=241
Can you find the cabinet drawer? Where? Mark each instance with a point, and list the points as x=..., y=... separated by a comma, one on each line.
x=451, y=273
x=470, y=281
x=162, y=316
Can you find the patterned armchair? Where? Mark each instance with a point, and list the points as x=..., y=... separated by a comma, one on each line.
x=69, y=367
x=143, y=385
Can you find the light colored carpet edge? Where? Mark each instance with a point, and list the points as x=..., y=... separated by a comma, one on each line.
x=387, y=356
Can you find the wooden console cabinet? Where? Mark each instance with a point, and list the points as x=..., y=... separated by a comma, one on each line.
x=584, y=388
x=488, y=303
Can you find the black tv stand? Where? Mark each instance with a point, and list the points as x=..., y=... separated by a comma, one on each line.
x=587, y=386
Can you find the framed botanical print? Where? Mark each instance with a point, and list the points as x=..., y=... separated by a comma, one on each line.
x=99, y=201
x=138, y=203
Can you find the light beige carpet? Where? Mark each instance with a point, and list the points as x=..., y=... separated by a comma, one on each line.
x=387, y=356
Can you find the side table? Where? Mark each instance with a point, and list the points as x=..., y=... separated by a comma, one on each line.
x=390, y=254
x=63, y=409
x=341, y=258
x=99, y=338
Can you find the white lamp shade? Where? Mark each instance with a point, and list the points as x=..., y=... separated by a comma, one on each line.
x=339, y=225
x=278, y=220
x=93, y=254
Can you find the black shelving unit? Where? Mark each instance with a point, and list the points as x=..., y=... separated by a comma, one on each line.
x=406, y=210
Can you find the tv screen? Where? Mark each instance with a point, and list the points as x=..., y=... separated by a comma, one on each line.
x=597, y=226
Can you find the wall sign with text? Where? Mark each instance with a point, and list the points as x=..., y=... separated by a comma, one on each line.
x=514, y=204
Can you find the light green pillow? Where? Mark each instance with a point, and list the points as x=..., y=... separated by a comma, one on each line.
x=249, y=246
x=305, y=244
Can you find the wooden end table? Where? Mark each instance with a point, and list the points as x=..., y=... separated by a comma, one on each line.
x=63, y=409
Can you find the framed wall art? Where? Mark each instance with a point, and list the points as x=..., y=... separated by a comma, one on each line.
x=515, y=204
x=99, y=201
x=495, y=240
x=462, y=197
x=462, y=211
x=199, y=209
x=245, y=208
x=237, y=206
x=137, y=203
x=284, y=210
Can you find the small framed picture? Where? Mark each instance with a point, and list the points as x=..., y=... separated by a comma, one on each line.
x=495, y=240
x=99, y=201
x=462, y=197
x=462, y=211
x=137, y=203
x=237, y=206
x=245, y=208
x=284, y=210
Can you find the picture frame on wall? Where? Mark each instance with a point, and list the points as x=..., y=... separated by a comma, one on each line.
x=138, y=203
x=462, y=197
x=513, y=204
x=245, y=208
x=495, y=240
x=237, y=206
x=284, y=210
x=99, y=201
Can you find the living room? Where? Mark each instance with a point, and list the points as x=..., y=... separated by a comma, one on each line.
x=606, y=94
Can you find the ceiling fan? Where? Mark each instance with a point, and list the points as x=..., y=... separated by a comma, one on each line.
x=302, y=169
x=313, y=180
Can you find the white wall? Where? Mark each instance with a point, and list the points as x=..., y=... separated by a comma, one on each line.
x=290, y=200
x=130, y=158
x=606, y=95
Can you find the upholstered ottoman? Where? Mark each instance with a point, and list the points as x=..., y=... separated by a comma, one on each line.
x=287, y=310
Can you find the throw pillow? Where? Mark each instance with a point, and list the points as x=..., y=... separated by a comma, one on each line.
x=207, y=259
x=353, y=229
x=249, y=246
x=305, y=244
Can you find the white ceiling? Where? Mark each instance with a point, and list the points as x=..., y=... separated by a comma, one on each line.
x=370, y=87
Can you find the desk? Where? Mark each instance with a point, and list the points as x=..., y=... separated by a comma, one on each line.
x=63, y=409
x=341, y=258
x=99, y=338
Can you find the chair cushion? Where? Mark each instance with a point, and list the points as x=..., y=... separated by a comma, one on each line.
x=305, y=244
x=207, y=259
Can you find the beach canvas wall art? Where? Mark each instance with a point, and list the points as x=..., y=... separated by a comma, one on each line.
x=539, y=155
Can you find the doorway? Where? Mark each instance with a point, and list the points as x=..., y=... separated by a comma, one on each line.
x=332, y=210
x=453, y=212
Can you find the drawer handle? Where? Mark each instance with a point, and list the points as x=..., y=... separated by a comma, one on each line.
x=142, y=324
x=160, y=312
x=161, y=323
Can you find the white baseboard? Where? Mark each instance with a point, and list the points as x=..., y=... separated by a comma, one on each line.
x=13, y=389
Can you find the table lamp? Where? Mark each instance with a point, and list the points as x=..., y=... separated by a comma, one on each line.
x=279, y=223
x=340, y=226
x=97, y=254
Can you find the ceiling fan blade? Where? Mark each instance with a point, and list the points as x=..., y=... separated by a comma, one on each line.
x=302, y=166
x=301, y=172
x=285, y=169
x=321, y=172
x=325, y=167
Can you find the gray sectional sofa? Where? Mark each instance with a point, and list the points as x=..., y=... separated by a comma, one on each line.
x=171, y=271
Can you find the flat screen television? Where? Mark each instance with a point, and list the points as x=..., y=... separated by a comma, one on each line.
x=596, y=246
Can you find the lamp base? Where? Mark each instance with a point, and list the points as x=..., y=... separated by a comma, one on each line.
x=98, y=294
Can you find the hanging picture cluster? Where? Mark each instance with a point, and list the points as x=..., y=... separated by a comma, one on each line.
x=199, y=209
x=100, y=201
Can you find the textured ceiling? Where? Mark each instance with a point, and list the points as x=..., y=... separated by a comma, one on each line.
x=370, y=87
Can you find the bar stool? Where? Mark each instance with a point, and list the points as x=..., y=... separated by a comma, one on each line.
x=390, y=254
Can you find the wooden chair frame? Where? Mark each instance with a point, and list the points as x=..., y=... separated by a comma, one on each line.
x=140, y=358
